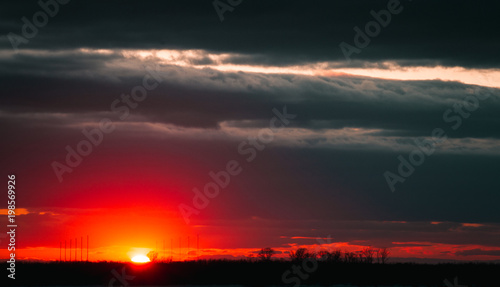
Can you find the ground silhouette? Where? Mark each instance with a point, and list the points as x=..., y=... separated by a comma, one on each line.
x=252, y=272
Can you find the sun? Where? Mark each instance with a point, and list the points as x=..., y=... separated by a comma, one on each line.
x=140, y=259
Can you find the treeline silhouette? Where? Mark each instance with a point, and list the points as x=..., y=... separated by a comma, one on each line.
x=367, y=255
x=253, y=272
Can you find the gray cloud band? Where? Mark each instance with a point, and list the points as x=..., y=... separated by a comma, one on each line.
x=426, y=147
x=40, y=19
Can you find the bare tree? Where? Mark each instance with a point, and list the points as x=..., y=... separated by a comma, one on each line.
x=337, y=255
x=383, y=255
x=368, y=254
x=266, y=253
x=153, y=256
x=165, y=259
x=334, y=256
x=324, y=255
x=350, y=257
x=300, y=254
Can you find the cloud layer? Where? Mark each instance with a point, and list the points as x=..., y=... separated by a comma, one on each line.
x=218, y=86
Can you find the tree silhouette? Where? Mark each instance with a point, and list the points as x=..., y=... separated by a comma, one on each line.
x=324, y=255
x=383, y=255
x=333, y=256
x=153, y=256
x=301, y=254
x=266, y=253
x=368, y=254
x=350, y=257
x=337, y=255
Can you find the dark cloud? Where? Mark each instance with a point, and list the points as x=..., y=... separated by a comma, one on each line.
x=322, y=174
x=452, y=33
x=478, y=251
x=206, y=98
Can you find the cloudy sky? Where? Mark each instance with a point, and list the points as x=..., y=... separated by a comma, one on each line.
x=386, y=114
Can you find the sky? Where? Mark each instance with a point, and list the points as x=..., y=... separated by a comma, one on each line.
x=239, y=125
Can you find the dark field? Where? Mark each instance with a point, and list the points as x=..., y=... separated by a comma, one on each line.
x=221, y=272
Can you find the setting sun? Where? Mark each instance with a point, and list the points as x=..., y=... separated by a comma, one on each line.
x=140, y=259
